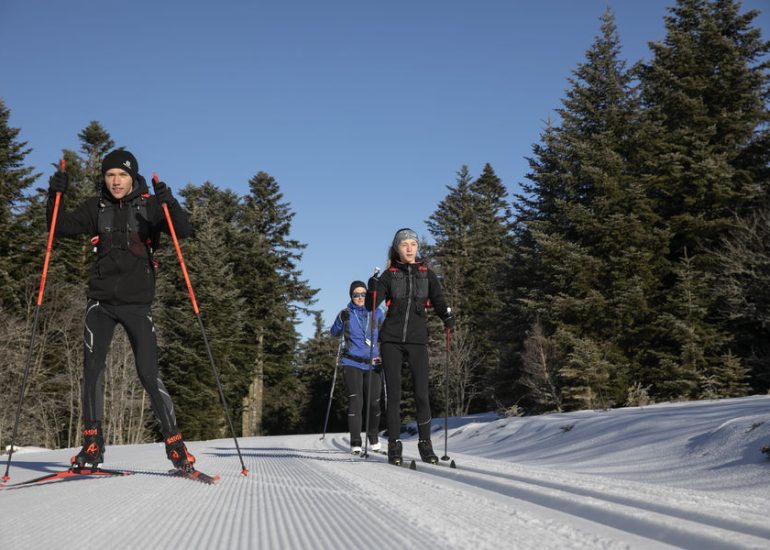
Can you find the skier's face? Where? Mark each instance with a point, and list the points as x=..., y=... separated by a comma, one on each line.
x=408, y=251
x=359, y=295
x=118, y=182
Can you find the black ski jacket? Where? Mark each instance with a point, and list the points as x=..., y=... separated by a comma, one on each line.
x=409, y=290
x=123, y=272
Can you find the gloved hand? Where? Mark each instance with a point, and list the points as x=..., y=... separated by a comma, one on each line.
x=449, y=322
x=345, y=315
x=58, y=182
x=372, y=283
x=162, y=192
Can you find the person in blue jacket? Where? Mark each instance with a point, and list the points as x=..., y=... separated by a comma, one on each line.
x=360, y=359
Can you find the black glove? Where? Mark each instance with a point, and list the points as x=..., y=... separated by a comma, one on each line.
x=372, y=283
x=449, y=322
x=162, y=192
x=58, y=182
x=345, y=315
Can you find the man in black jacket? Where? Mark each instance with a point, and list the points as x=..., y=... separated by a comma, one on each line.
x=123, y=222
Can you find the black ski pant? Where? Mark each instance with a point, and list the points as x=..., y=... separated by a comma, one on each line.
x=136, y=319
x=393, y=356
x=356, y=384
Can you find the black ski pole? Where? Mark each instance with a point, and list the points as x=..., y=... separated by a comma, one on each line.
x=446, y=391
x=244, y=471
x=370, y=372
x=57, y=199
x=334, y=381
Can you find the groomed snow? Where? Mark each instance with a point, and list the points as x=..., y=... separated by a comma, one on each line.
x=684, y=475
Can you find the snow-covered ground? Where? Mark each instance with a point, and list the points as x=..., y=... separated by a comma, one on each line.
x=687, y=475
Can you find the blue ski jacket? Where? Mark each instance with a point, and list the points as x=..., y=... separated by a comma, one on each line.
x=357, y=332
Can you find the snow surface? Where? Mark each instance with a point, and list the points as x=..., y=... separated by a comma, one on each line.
x=682, y=475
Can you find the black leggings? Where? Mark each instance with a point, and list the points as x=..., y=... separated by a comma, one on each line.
x=136, y=319
x=356, y=384
x=393, y=355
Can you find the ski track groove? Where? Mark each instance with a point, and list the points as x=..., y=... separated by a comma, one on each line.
x=664, y=524
x=580, y=489
x=482, y=522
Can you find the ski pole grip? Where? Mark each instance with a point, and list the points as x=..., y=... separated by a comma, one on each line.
x=155, y=180
x=62, y=165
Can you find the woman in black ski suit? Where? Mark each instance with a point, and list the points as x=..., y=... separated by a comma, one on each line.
x=409, y=287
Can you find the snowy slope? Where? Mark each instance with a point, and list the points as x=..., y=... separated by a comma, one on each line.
x=686, y=475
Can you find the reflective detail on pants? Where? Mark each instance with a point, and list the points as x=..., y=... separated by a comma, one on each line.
x=89, y=343
x=426, y=422
x=167, y=400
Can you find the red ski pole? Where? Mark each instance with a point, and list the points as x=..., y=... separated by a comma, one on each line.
x=244, y=471
x=41, y=290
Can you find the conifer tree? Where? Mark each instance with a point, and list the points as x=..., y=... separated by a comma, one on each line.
x=586, y=231
x=471, y=231
x=316, y=358
x=705, y=91
x=742, y=285
x=490, y=253
x=268, y=271
x=186, y=366
x=15, y=179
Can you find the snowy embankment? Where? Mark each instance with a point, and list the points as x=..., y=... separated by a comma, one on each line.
x=685, y=475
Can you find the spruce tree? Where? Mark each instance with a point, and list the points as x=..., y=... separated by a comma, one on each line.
x=316, y=368
x=275, y=293
x=490, y=253
x=586, y=234
x=742, y=285
x=471, y=231
x=186, y=366
x=705, y=91
x=15, y=179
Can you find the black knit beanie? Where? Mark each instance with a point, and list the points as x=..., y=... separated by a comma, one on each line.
x=354, y=285
x=123, y=160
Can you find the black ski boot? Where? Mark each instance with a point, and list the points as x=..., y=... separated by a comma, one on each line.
x=92, y=453
x=394, y=452
x=426, y=451
x=177, y=453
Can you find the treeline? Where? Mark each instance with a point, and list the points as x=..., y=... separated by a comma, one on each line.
x=633, y=267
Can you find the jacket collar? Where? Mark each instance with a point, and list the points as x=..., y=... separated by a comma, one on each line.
x=405, y=266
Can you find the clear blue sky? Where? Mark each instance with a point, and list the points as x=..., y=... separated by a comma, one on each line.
x=362, y=111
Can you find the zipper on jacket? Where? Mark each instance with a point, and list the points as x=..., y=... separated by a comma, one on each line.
x=408, y=301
